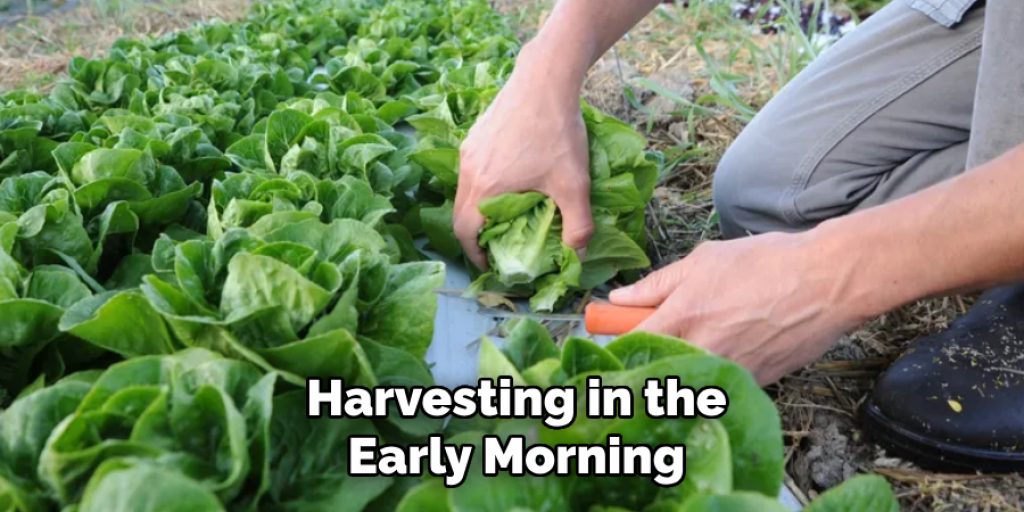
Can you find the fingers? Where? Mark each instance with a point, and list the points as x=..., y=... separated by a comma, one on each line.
x=467, y=222
x=466, y=218
x=663, y=321
x=570, y=190
x=573, y=200
x=669, y=320
x=650, y=291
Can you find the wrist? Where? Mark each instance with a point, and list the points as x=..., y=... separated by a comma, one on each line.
x=865, y=277
x=562, y=77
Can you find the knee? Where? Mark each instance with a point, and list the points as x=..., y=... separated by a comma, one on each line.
x=750, y=184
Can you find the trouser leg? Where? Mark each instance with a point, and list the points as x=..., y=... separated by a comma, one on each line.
x=885, y=112
x=998, y=124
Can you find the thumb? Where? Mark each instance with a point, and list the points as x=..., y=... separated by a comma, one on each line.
x=650, y=291
x=577, y=220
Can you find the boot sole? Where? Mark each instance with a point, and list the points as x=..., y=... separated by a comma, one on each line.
x=935, y=453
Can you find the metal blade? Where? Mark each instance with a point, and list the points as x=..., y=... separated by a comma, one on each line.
x=498, y=313
x=501, y=313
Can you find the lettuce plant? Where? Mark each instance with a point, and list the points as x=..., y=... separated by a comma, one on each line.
x=190, y=431
x=732, y=463
x=206, y=432
x=294, y=294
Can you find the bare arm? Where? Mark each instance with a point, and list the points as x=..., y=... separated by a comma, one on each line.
x=532, y=136
x=963, y=234
x=577, y=33
x=775, y=302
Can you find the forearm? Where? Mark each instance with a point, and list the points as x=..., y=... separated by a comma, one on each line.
x=575, y=35
x=963, y=234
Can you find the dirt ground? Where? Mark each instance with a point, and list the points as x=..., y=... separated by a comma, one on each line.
x=818, y=404
x=35, y=50
x=671, y=87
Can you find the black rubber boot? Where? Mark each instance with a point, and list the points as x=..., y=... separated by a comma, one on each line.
x=955, y=400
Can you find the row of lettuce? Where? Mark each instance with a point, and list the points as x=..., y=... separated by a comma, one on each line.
x=192, y=226
x=197, y=431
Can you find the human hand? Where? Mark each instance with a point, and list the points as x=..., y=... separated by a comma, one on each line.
x=531, y=138
x=772, y=303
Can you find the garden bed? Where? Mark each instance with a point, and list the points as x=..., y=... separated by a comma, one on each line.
x=664, y=74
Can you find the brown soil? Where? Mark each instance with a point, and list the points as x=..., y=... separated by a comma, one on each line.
x=35, y=50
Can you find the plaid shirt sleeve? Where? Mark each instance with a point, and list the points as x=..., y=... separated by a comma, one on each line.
x=946, y=12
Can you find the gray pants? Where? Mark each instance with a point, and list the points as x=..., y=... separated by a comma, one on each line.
x=898, y=105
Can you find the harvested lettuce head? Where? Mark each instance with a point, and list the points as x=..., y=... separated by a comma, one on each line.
x=522, y=236
x=523, y=232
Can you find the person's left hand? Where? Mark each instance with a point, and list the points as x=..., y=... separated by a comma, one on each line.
x=773, y=303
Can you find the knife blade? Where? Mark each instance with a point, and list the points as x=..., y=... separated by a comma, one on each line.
x=598, y=318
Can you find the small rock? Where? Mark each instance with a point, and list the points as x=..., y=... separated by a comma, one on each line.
x=829, y=458
x=680, y=131
x=846, y=349
x=659, y=108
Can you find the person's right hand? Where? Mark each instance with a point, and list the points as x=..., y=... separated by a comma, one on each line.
x=531, y=138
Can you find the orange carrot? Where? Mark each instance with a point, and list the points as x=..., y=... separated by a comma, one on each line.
x=606, y=318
